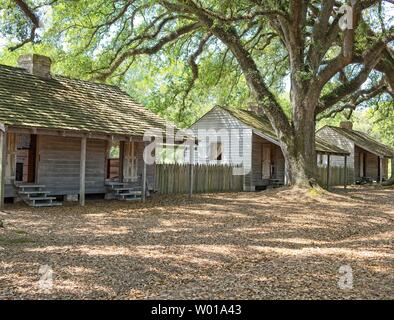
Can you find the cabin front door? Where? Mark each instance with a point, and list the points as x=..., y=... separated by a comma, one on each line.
x=26, y=154
x=130, y=162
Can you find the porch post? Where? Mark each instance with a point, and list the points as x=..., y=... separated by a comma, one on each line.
x=121, y=160
x=144, y=179
x=82, y=172
x=191, y=173
x=286, y=174
x=3, y=162
x=328, y=171
x=381, y=170
x=345, y=172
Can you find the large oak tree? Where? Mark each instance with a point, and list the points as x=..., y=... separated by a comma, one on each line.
x=329, y=51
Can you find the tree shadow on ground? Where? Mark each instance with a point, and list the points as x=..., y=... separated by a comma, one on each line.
x=266, y=245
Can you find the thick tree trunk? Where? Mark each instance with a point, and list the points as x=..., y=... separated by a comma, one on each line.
x=390, y=182
x=299, y=151
x=297, y=137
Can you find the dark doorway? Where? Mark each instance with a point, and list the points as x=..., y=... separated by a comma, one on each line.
x=26, y=158
x=31, y=172
x=19, y=172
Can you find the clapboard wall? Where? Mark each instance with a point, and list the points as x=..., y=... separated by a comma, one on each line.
x=236, y=139
x=371, y=166
x=59, y=164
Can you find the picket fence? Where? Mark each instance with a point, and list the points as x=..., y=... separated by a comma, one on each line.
x=337, y=175
x=175, y=179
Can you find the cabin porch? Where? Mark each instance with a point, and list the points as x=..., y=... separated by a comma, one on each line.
x=268, y=164
x=45, y=167
x=369, y=167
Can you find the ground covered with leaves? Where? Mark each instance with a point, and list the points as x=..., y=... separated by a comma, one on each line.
x=283, y=244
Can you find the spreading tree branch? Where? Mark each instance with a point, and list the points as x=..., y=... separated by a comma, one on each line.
x=355, y=100
x=148, y=50
x=33, y=18
x=194, y=68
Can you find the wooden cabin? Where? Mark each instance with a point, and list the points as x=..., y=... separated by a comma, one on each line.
x=62, y=138
x=368, y=160
x=244, y=138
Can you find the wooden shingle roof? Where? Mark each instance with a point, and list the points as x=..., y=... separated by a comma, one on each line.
x=364, y=141
x=68, y=104
x=262, y=124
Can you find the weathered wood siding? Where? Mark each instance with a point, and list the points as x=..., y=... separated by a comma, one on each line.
x=175, y=179
x=236, y=139
x=371, y=165
x=59, y=164
x=354, y=158
x=257, y=158
x=337, y=175
x=10, y=165
x=336, y=139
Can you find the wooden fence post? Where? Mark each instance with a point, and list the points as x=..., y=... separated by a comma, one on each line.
x=191, y=175
x=144, y=182
x=328, y=171
x=82, y=172
x=3, y=163
x=345, y=170
x=381, y=169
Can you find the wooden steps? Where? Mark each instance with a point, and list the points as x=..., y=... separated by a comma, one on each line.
x=124, y=191
x=35, y=196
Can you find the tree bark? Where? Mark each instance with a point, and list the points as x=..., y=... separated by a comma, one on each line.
x=390, y=182
x=300, y=153
x=297, y=138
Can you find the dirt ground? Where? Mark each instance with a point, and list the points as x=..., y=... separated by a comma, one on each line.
x=284, y=244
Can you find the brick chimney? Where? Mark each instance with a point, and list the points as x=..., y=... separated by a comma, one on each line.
x=37, y=65
x=346, y=125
